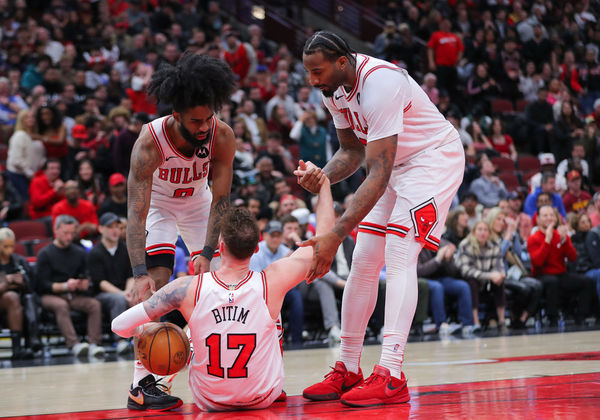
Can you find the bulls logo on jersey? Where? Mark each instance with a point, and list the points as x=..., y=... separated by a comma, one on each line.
x=424, y=218
x=202, y=152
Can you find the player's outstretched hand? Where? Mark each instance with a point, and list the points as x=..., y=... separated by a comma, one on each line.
x=201, y=265
x=141, y=286
x=324, y=250
x=310, y=176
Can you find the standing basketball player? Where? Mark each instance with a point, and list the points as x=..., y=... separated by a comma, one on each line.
x=168, y=181
x=415, y=163
x=232, y=313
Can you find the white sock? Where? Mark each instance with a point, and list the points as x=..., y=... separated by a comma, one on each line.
x=139, y=372
x=360, y=296
x=401, y=255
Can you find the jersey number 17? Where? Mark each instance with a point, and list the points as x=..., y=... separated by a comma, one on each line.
x=245, y=342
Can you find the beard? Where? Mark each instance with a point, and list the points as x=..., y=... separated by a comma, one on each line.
x=327, y=92
x=191, y=138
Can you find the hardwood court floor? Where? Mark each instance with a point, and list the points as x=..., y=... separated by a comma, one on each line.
x=527, y=376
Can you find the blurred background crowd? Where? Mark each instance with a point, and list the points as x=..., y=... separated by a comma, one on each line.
x=520, y=81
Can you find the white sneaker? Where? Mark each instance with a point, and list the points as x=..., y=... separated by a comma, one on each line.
x=123, y=347
x=334, y=335
x=449, y=329
x=96, y=350
x=80, y=349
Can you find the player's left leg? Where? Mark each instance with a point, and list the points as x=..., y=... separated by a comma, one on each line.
x=425, y=187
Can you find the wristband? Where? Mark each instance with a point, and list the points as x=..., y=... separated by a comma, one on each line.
x=208, y=252
x=139, y=271
x=66, y=286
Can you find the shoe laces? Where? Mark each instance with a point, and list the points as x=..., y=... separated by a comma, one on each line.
x=375, y=379
x=334, y=374
x=156, y=388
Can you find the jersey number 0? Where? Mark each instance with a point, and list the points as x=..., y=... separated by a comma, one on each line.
x=245, y=342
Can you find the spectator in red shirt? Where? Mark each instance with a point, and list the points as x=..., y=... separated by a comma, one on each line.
x=444, y=51
x=502, y=142
x=240, y=56
x=80, y=209
x=575, y=199
x=45, y=190
x=548, y=247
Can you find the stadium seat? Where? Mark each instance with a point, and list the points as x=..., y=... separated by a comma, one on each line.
x=29, y=229
x=297, y=190
x=38, y=245
x=521, y=104
x=503, y=164
x=528, y=163
x=502, y=106
x=20, y=249
x=511, y=182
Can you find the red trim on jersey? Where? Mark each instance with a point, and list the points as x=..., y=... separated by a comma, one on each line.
x=198, y=287
x=373, y=225
x=160, y=245
x=357, y=81
x=430, y=246
x=381, y=66
x=240, y=406
x=407, y=107
x=170, y=142
x=164, y=251
x=263, y=276
x=156, y=142
x=372, y=232
x=213, y=133
x=399, y=230
x=372, y=228
x=226, y=286
x=397, y=233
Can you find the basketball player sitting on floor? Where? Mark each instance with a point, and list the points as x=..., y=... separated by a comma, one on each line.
x=232, y=313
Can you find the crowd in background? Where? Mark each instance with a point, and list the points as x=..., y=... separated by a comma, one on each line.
x=514, y=78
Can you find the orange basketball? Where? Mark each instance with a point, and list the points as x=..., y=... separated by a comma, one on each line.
x=163, y=348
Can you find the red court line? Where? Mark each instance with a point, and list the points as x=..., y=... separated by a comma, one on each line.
x=565, y=396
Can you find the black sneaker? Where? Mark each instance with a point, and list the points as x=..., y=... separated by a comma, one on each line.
x=150, y=395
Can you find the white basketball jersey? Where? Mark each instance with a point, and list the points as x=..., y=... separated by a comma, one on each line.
x=179, y=176
x=386, y=101
x=237, y=356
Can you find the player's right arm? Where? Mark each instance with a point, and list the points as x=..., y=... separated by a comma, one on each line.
x=287, y=272
x=145, y=158
x=170, y=297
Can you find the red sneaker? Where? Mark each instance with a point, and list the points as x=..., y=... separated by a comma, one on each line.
x=379, y=388
x=282, y=397
x=336, y=383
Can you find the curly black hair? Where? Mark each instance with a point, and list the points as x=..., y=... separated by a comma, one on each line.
x=196, y=80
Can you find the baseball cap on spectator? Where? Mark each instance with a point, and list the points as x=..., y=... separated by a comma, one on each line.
x=301, y=215
x=573, y=174
x=116, y=179
x=273, y=226
x=597, y=103
x=286, y=197
x=108, y=219
x=79, y=132
x=513, y=195
x=546, y=159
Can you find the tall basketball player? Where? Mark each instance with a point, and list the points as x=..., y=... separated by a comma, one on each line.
x=415, y=163
x=168, y=182
x=232, y=313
